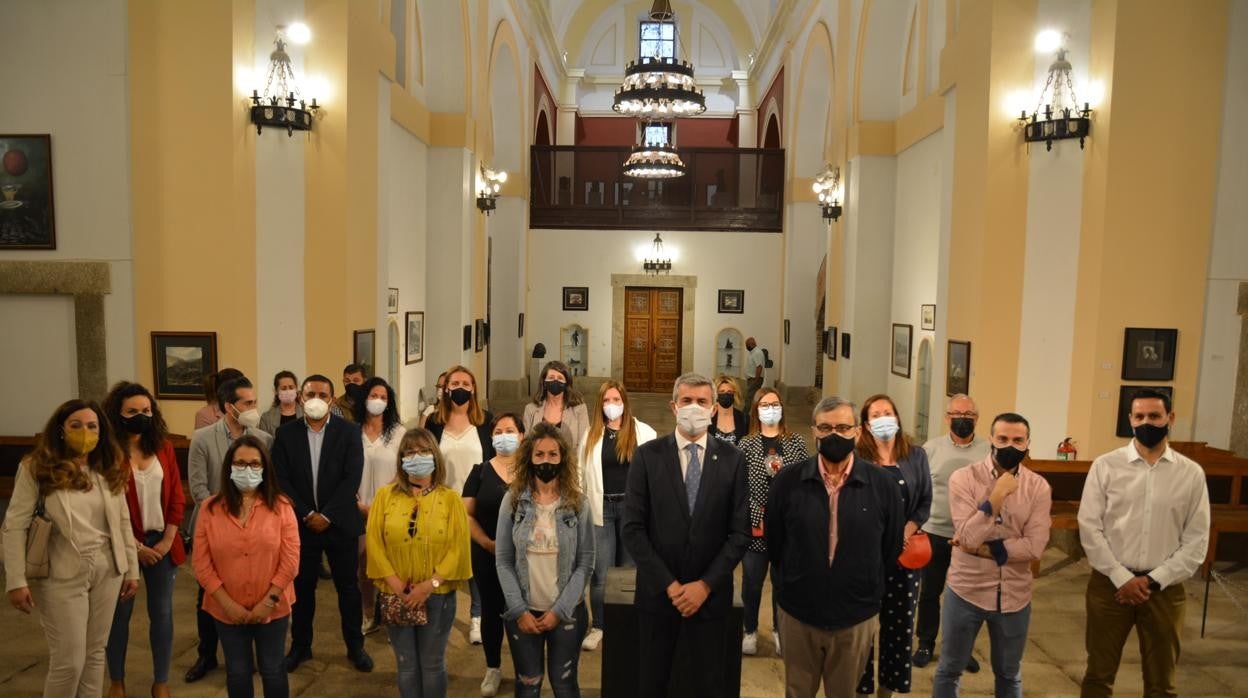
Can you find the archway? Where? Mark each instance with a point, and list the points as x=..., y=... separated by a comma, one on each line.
x=771, y=137
x=923, y=392
x=542, y=135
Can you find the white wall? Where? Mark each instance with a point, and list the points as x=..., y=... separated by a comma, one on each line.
x=804, y=248
x=85, y=65
x=749, y=261
x=867, y=282
x=1228, y=260
x=507, y=227
x=40, y=360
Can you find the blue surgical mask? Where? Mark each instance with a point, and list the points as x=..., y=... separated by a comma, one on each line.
x=884, y=428
x=246, y=479
x=506, y=444
x=418, y=465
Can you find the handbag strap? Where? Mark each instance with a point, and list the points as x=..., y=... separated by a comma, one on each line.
x=40, y=507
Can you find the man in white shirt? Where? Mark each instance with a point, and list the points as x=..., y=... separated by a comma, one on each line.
x=755, y=368
x=1144, y=524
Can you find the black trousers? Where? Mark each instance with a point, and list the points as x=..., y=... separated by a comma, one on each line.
x=207, y=626
x=492, y=606
x=343, y=555
x=928, y=623
x=658, y=633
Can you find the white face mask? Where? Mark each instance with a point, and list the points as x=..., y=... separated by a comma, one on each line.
x=249, y=419
x=770, y=415
x=246, y=479
x=612, y=411
x=316, y=408
x=287, y=396
x=375, y=406
x=884, y=428
x=693, y=419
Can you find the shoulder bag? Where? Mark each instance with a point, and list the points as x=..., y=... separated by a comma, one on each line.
x=38, y=536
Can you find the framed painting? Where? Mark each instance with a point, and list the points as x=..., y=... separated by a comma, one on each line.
x=415, y=352
x=927, y=317
x=181, y=361
x=829, y=346
x=786, y=330
x=467, y=337
x=1126, y=394
x=392, y=301
x=27, y=217
x=958, y=368
x=902, y=337
x=364, y=344
x=1148, y=354
x=479, y=325
x=576, y=298
x=845, y=345
x=731, y=300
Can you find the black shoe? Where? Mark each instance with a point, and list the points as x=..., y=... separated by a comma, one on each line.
x=360, y=660
x=202, y=666
x=972, y=667
x=922, y=656
x=296, y=657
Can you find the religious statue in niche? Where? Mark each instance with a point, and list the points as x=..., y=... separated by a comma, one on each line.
x=576, y=338
x=728, y=343
x=729, y=364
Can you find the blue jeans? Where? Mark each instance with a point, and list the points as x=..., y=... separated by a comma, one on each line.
x=268, y=642
x=562, y=650
x=420, y=650
x=959, y=624
x=158, y=581
x=753, y=572
x=610, y=553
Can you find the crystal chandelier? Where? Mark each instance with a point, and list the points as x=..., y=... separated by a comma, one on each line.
x=657, y=86
x=1060, y=117
x=281, y=87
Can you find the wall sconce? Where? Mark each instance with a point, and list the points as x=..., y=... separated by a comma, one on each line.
x=281, y=87
x=828, y=186
x=1062, y=117
x=661, y=262
x=489, y=184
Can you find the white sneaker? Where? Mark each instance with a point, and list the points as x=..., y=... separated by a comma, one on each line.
x=749, y=644
x=775, y=635
x=474, y=631
x=592, y=640
x=489, y=685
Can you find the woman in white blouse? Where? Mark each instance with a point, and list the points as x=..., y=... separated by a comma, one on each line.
x=378, y=417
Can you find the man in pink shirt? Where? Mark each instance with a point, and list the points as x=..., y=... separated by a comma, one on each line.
x=1001, y=524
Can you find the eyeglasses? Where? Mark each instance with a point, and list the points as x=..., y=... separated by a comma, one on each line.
x=253, y=464
x=411, y=524
x=840, y=429
x=768, y=404
x=958, y=415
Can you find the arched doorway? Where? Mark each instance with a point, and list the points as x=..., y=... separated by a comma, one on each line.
x=771, y=137
x=923, y=392
x=542, y=136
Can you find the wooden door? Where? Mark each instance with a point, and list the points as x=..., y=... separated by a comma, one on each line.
x=652, y=349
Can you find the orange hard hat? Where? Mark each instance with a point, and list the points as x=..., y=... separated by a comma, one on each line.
x=917, y=553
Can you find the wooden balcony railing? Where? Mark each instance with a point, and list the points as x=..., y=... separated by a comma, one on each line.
x=723, y=189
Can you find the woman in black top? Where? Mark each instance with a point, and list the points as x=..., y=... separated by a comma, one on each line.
x=728, y=422
x=483, y=494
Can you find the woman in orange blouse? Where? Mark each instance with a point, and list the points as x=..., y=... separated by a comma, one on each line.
x=246, y=557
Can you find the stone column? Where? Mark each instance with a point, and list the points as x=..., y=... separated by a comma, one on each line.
x=1239, y=410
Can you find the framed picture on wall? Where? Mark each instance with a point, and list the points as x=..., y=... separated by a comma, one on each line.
x=520, y=329
x=845, y=345
x=27, y=218
x=927, y=317
x=1126, y=394
x=829, y=344
x=392, y=301
x=903, y=335
x=576, y=298
x=958, y=368
x=364, y=350
x=467, y=337
x=479, y=326
x=1148, y=354
x=786, y=330
x=415, y=337
x=731, y=300
x=181, y=361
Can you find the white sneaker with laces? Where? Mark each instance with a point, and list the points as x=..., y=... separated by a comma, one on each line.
x=474, y=631
x=749, y=644
x=489, y=685
x=592, y=640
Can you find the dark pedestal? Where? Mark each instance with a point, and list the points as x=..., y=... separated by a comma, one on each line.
x=620, y=643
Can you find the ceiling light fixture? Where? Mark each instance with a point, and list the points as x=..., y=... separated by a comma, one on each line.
x=1060, y=117
x=280, y=86
x=660, y=86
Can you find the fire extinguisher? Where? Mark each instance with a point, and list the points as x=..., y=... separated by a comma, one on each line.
x=1066, y=450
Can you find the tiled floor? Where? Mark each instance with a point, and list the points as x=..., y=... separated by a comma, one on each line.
x=1053, y=663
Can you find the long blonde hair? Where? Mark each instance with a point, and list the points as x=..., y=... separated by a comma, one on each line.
x=569, y=479
x=626, y=441
x=738, y=400
x=476, y=414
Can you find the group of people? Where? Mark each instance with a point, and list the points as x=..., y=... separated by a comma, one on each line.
x=526, y=513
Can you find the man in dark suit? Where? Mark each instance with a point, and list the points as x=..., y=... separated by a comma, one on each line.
x=686, y=524
x=319, y=461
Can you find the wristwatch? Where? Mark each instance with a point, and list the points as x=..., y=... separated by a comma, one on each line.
x=1153, y=584
x=435, y=582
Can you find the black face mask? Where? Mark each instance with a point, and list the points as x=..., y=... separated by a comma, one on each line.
x=137, y=423
x=460, y=396
x=724, y=399
x=1149, y=435
x=546, y=471
x=556, y=387
x=1008, y=458
x=962, y=427
x=355, y=391
x=835, y=448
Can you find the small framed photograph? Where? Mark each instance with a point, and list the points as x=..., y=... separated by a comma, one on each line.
x=415, y=337
x=731, y=301
x=958, y=368
x=392, y=301
x=520, y=329
x=1126, y=394
x=27, y=218
x=576, y=298
x=829, y=344
x=844, y=345
x=364, y=350
x=902, y=337
x=786, y=330
x=479, y=326
x=467, y=337
x=1148, y=354
x=927, y=317
x=181, y=361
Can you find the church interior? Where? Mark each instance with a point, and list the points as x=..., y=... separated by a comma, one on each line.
x=1033, y=202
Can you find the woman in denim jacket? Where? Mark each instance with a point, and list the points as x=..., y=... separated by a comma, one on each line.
x=544, y=559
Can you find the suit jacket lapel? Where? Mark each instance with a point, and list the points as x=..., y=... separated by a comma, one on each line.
x=327, y=441
x=672, y=469
x=710, y=466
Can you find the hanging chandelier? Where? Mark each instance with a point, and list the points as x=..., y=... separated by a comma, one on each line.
x=661, y=262
x=653, y=160
x=1060, y=117
x=656, y=86
x=277, y=105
